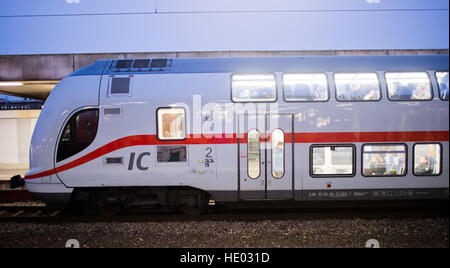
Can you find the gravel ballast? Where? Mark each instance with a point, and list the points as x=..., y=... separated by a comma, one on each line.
x=410, y=232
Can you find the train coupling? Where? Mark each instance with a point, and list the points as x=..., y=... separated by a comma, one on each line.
x=16, y=182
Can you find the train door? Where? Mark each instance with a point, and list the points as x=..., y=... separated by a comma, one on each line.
x=265, y=157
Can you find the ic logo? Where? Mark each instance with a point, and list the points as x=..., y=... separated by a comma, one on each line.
x=373, y=1
x=138, y=161
x=72, y=2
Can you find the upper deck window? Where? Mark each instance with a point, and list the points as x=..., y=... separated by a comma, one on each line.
x=305, y=87
x=171, y=124
x=357, y=87
x=442, y=80
x=253, y=88
x=409, y=86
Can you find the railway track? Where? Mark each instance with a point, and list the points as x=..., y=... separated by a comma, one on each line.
x=224, y=213
x=28, y=212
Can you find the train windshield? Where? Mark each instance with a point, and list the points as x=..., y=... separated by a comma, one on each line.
x=78, y=133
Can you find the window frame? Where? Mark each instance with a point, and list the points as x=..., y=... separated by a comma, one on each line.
x=312, y=175
x=368, y=72
x=385, y=144
x=284, y=153
x=157, y=124
x=420, y=71
x=252, y=101
x=300, y=101
x=248, y=158
x=441, y=155
x=438, y=85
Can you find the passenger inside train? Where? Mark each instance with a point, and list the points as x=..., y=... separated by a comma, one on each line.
x=357, y=87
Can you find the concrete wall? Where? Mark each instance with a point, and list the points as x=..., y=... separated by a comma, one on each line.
x=16, y=129
x=114, y=26
x=56, y=67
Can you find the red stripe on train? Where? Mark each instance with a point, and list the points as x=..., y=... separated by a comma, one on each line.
x=330, y=137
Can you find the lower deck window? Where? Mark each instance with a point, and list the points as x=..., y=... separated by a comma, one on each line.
x=384, y=160
x=332, y=160
x=171, y=154
x=427, y=159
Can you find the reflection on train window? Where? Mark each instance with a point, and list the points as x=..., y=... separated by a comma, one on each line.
x=305, y=87
x=171, y=154
x=409, y=86
x=442, y=80
x=171, y=124
x=357, y=87
x=79, y=132
x=277, y=153
x=254, y=153
x=253, y=88
x=333, y=160
x=384, y=160
x=427, y=159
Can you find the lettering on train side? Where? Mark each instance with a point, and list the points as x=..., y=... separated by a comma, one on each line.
x=139, y=164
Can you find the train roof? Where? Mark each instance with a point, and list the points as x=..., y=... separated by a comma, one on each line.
x=267, y=64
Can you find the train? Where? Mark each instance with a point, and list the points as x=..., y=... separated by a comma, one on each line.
x=183, y=132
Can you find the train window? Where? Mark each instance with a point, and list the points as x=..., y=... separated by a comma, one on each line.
x=277, y=153
x=171, y=124
x=384, y=160
x=141, y=64
x=409, y=86
x=79, y=132
x=253, y=88
x=120, y=85
x=305, y=87
x=427, y=159
x=332, y=160
x=442, y=79
x=158, y=63
x=171, y=154
x=357, y=87
x=124, y=64
x=254, y=153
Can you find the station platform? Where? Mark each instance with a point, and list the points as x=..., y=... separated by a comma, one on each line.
x=6, y=174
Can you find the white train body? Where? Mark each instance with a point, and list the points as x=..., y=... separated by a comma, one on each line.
x=127, y=151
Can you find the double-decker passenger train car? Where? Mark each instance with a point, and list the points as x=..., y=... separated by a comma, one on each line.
x=179, y=132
